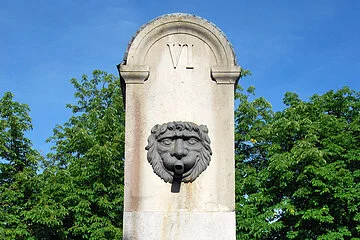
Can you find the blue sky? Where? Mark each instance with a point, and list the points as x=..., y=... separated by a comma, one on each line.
x=307, y=47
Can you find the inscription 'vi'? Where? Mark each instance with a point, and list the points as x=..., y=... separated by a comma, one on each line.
x=176, y=51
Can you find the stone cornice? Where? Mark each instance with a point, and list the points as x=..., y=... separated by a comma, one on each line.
x=226, y=74
x=134, y=74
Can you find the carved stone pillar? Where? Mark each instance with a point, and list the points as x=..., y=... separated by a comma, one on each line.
x=178, y=78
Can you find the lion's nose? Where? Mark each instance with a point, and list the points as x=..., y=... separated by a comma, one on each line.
x=179, y=151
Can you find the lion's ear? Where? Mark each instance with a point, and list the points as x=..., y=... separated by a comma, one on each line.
x=155, y=128
x=204, y=128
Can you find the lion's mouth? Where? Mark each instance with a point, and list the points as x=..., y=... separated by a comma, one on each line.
x=179, y=167
x=188, y=172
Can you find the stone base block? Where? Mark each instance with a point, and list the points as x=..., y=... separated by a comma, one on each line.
x=179, y=226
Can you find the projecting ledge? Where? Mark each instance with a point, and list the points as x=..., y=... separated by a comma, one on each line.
x=134, y=74
x=226, y=74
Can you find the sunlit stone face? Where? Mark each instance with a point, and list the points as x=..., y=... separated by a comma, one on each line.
x=176, y=148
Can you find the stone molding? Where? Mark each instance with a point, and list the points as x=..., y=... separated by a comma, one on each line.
x=226, y=75
x=179, y=23
x=134, y=71
x=134, y=74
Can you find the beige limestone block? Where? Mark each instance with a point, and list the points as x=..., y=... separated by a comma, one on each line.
x=179, y=226
x=179, y=68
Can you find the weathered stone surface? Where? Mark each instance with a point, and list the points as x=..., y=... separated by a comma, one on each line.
x=180, y=67
x=179, y=226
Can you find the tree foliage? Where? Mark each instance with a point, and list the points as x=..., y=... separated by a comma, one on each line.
x=298, y=170
x=82, y=186
x=18, y=165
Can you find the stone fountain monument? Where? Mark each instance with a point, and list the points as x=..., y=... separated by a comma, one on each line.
x=178, y=78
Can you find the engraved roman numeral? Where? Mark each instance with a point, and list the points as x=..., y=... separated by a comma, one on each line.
x=176, y=50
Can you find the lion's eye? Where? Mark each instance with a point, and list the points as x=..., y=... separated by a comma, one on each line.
x=166, y=141
x=192, y=141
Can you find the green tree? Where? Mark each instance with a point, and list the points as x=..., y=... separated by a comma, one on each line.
x=298, y=170
x=82, y=184
x=18, y=165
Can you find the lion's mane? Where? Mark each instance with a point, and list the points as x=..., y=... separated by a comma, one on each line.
x=155, y=160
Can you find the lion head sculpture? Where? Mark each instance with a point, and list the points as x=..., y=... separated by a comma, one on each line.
x=179, y=151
